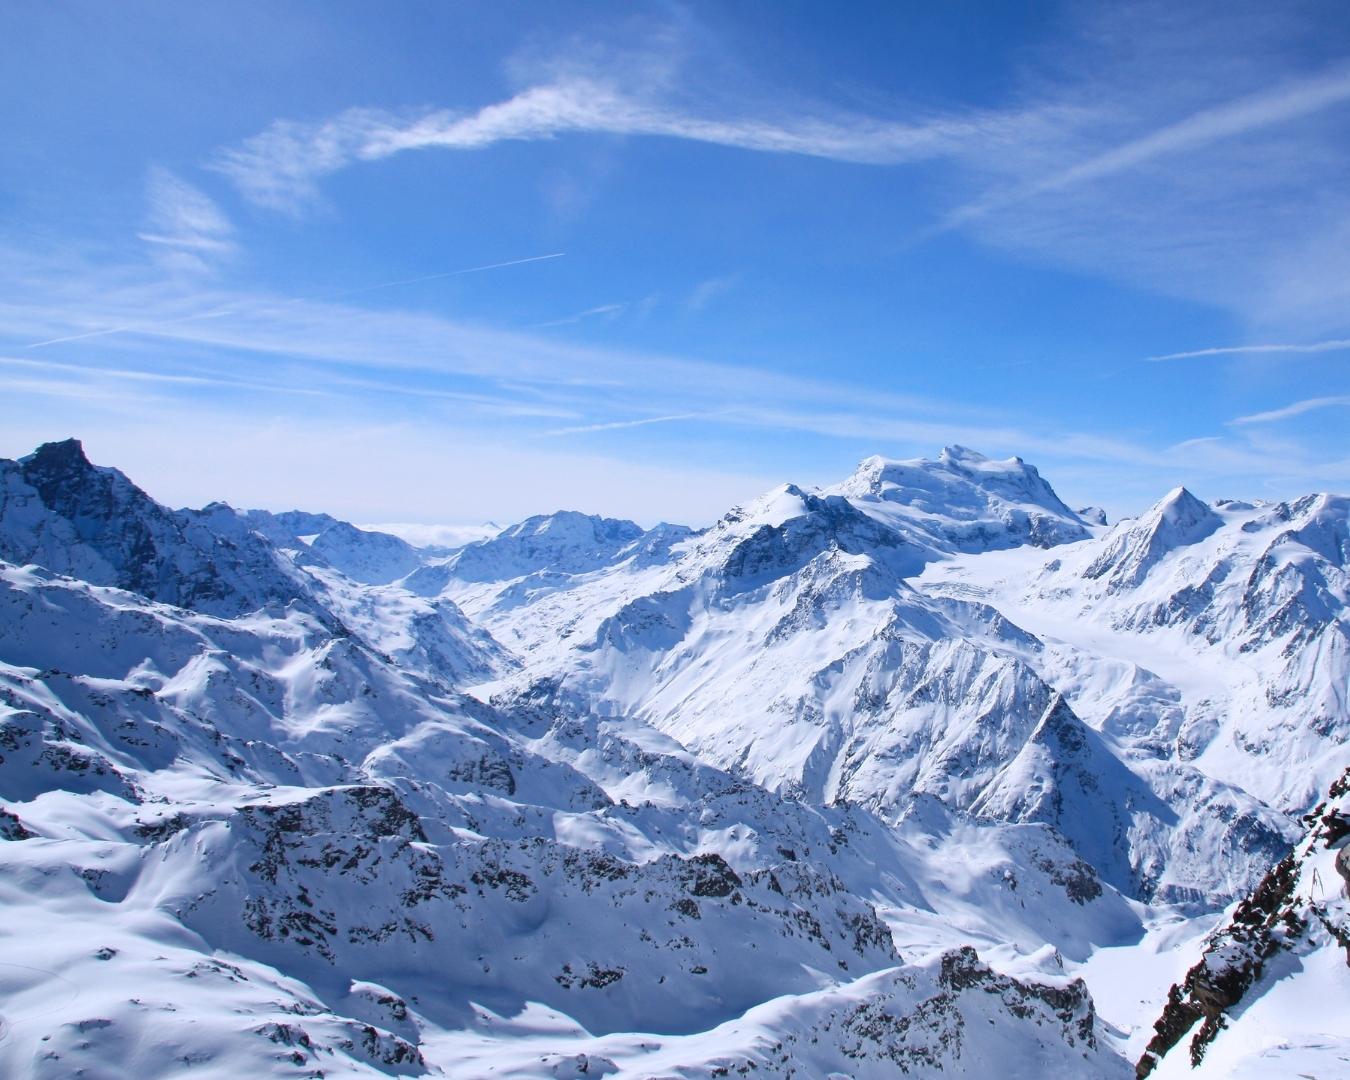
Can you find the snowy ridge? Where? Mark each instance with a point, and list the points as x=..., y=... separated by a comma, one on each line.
x=373, y=558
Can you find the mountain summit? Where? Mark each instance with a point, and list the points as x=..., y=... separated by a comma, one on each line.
x=964, y=501
x=1133, y=548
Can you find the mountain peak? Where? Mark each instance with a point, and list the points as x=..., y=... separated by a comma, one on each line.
x=573, y=523
x=976, y=502
x=1179, y=506
x=94, y=523
x=567, y=541
x=961, y=462
x=63, y=456
x=67, y=480
x=1176, y=520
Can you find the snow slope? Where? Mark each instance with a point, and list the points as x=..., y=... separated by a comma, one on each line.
x=296, y=820
x=343, y=863
x=1217, y=636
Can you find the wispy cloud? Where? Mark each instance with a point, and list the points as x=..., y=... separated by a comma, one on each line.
x=427, y=373
x=1205, y=161
x=1298, y=408
x=280, y=167
x=1229, y=120
x=1337, y=345
x=362, y=289
x=363, y=352
x=360, y=354
x=346, y=336
x=127, y=328
x=709, y=289
x=154, y=325
x=1154, y=149
x=186, y=229
x=95, y=373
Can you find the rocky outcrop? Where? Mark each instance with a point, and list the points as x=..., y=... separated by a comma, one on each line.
x=1290, y=902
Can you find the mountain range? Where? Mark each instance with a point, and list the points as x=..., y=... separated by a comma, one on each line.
x=920, y=773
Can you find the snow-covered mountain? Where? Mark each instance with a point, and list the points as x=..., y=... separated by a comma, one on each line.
x=1216, y=635
x=789, y=643
x=891, y=777
x=964, y=501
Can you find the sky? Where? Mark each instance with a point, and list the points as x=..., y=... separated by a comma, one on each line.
x=454, y=262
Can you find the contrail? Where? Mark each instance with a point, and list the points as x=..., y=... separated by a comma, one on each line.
x=1238, y=350
x=129, y=327
x=614, y=425
x=435, y=277
x=216, y=312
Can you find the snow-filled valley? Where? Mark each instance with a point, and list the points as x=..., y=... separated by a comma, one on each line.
x=921, y=774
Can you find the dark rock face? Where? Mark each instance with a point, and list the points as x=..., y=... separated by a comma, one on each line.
x=709, y=875
x=1274, y=917
x=932, y=1036
x=1234, y=960
x=11, y=828
x=829, y=523
x=962, y=969
x=348, y=876
x=59, y=510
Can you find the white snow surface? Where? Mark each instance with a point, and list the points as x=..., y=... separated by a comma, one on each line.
x=895, y=776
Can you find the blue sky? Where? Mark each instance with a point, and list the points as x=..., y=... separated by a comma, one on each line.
x=450, y=262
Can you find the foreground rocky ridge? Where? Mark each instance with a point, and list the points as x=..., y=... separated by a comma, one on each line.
x=1301, y=907
x=721, y=775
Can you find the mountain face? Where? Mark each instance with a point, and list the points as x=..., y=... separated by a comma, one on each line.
x=565, y=542
x=911, y=774
x=372, y=558
x=59, y=511
x=1130, y=552
x=1212, y=635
